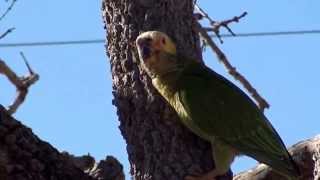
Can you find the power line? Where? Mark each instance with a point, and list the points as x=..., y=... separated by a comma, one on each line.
x=52, y=43
x=100, y=41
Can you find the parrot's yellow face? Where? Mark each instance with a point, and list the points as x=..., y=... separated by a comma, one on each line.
x=152, y=46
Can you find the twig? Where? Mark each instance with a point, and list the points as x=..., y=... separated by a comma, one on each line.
x=6, y=33
x=216, y=25
x=22, y=84
x=262, y=103
x=8, y=9
x=26, y=62
x=204, y=14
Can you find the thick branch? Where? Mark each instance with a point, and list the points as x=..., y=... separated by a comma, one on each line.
x=305, y=153
x=23, y=156
x=108, y=169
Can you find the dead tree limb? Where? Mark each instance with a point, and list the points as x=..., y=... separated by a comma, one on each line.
x=217, y=25
x=262, y=103
x=305, y=153
x=22, y=84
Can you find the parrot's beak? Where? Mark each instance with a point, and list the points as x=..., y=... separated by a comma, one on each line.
x=144, y=49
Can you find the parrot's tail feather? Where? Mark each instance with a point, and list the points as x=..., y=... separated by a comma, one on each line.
x=280, y=158
x=286, y=166
x=271, y=152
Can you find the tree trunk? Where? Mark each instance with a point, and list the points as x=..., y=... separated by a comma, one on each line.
x=159, y=147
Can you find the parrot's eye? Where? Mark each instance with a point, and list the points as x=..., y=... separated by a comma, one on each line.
x=163, y=40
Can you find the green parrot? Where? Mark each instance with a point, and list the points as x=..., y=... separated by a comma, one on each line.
x=213, y=108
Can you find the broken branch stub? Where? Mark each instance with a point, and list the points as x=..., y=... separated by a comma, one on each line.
x=22, y=84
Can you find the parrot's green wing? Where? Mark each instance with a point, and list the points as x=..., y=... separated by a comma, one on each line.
x=220, y=109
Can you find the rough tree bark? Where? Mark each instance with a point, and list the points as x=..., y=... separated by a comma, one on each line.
x=23, y=156
x=159, y=147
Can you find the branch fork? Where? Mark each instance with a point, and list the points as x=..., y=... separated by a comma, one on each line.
x=22, y=84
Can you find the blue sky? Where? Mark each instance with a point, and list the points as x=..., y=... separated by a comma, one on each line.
x=70, y=106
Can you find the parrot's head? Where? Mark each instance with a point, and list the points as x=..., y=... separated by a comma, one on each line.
x=154, y=50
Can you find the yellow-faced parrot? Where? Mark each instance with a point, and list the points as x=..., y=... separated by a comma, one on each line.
x=213, y=108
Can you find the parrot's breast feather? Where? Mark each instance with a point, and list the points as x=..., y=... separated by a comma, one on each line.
x=172, y=97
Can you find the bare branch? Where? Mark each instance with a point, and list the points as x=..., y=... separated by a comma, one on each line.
x=225, y=23
x=6, y=33
x=13, y=78
x=26, y=62
x=216, y=25
x=22, y=84
x=262, y=103
x=204, y=14
x=4, y=15
x=8, y=9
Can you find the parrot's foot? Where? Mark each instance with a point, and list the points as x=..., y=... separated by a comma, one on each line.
x=208, y=176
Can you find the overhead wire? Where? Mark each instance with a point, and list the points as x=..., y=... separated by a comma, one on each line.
x=100, y=41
